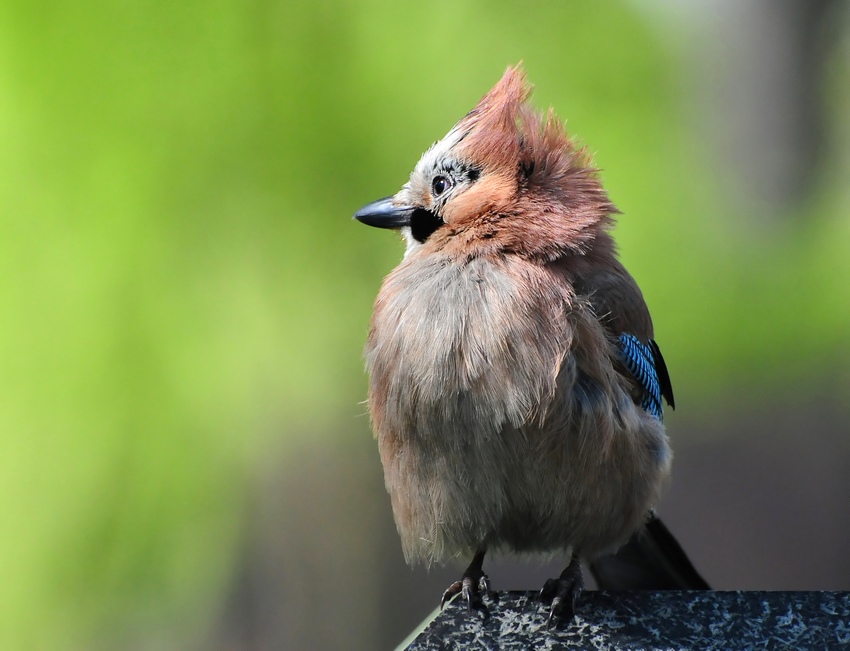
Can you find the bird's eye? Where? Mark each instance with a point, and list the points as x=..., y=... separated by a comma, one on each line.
x=439, y=185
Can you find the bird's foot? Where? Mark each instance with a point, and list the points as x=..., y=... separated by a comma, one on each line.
x=473, y=586
x=562, y=593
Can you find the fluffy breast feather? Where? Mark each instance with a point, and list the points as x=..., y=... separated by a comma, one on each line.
x=500, y=420
x=451, y=329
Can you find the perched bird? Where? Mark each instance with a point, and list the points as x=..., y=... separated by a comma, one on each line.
x=515, y=384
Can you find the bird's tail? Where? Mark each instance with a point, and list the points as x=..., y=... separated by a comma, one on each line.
x=651, y=560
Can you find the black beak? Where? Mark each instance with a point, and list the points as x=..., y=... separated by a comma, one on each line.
x=383, y=214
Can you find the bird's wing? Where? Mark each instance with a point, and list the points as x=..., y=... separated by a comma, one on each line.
x=645, y=363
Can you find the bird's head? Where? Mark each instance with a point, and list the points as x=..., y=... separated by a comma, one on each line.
x=505, y=179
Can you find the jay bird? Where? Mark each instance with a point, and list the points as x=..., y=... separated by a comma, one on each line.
x=515, y=385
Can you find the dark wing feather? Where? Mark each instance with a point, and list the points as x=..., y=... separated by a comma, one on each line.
x=663, y=375
x=651, y=560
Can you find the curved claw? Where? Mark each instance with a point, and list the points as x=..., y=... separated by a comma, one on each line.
x=473, y=586
x=564, y=593
x=555, y=609
x=450, y=592
x=547, y=592
x=484, y=585
x=471, y=592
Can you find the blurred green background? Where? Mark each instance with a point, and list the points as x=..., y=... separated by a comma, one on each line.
x=185, y=460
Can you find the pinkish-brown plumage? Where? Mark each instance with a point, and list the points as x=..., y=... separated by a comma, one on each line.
x=504, y=415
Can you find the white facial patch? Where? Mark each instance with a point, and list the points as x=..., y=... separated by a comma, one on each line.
x=410, y=242
x=438, y=156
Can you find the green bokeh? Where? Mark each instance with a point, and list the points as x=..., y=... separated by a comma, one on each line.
x=183, y=293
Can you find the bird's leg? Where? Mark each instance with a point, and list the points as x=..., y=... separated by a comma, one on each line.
x=563, y=592
x=472, y=586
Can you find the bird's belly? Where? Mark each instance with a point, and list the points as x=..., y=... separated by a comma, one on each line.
x=521, y=491
x=486, y=432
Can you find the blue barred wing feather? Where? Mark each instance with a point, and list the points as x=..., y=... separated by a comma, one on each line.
x=645, y=363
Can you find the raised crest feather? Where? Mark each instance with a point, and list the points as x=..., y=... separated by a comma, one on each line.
x=490, y=133
x=504, y=130
x=539, y=195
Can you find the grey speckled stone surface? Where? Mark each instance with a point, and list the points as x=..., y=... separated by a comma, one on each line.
x=708, y=621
